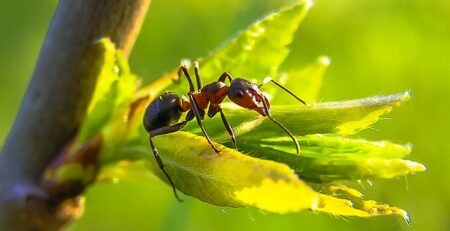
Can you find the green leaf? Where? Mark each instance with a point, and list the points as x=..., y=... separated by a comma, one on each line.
x=75, y=171
x=115, y=88
x=331, y=158
x=341, y=117
x=257, y=51
x=78, y=162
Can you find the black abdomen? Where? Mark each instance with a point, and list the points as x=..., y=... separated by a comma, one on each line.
x=163, y=111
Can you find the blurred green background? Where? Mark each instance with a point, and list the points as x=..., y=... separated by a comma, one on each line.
x=376, y=47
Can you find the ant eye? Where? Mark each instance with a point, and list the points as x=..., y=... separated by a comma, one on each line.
x=239, y=93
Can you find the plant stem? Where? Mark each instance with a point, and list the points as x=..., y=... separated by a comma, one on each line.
x=56, y=101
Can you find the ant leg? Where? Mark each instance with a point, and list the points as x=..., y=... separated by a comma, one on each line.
x=162, y=131
x=197, y=75
x=269, y=79
x=228, y=127
x=224, y=76
x=194, y=108
x=183, y=70
x=266, y=109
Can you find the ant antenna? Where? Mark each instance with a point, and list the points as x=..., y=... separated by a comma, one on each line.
x=269, y=79
x=297, y=146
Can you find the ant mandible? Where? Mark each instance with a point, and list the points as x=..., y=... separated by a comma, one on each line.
x=162, y=114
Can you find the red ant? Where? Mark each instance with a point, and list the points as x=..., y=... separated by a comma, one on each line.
x=162, y=115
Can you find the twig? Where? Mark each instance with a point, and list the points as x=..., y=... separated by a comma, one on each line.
x=56, y=100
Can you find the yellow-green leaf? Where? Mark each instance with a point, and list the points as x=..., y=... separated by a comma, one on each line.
x=229, y=178
x=344, y=201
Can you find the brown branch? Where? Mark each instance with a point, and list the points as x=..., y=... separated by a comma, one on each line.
x=56, y=100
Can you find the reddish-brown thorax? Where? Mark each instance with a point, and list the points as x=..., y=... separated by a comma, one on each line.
x=212, y=94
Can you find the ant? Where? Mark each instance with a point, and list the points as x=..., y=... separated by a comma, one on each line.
x=162, y=114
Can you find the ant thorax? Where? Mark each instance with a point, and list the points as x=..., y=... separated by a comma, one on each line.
x=215, y=92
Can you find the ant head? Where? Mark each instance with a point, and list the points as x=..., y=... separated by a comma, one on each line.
x=247, y=95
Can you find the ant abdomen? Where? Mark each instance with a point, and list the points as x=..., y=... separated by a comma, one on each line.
x=163, y=111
